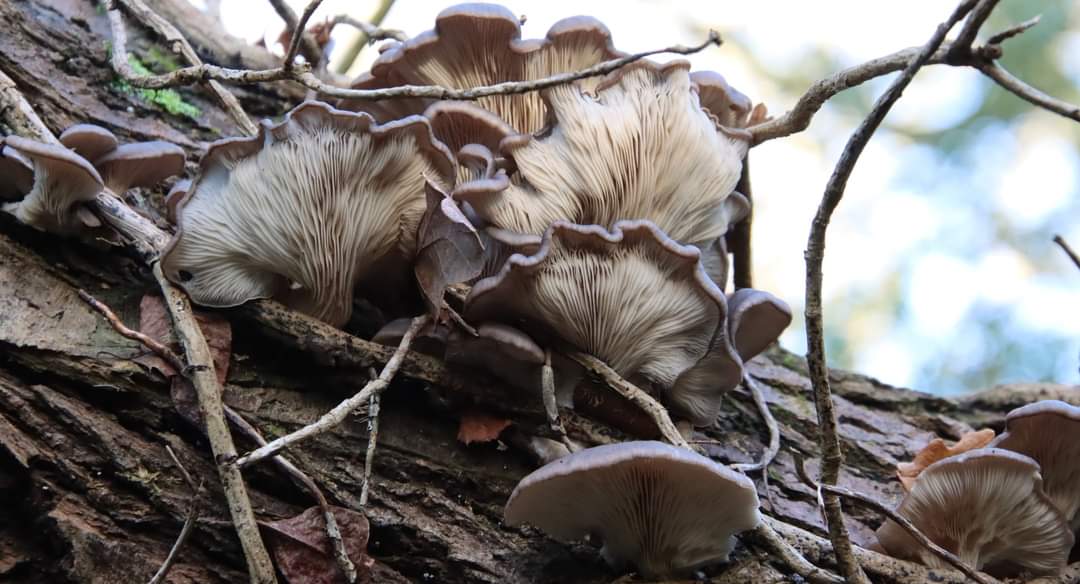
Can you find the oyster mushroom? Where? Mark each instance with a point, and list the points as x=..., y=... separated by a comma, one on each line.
x=632, y=297
x=89, y=141
x=140, y=164
x=663, y=509
x=18, y=173
x=481, y=44
x=987, y=507
x=1049, y=432
x=642, y=147
x=755, y=320
x=62, y=182
x=306, y=210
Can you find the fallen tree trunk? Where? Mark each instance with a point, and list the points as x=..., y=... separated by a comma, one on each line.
x=94, y=497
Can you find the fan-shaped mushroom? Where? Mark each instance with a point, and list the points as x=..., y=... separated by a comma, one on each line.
x=140, y=164
x=18, y=173
x=481, y=44
x=63, y=181
x=303, y=211
x=632, y=297
x=988, y=507
x=1049, y=432
x=642, y=147
x=755, y=320
x=89, y=141
x=664, y=509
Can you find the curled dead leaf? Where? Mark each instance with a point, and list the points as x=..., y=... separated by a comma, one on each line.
x=937, y=450
x=450, y=251
x=155, y=322
x=303, y=551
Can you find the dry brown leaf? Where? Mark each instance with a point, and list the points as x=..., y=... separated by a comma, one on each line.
x=937, y=450
x=450, y=251
x=303, y=551
x=155, y=322
x=479, y=427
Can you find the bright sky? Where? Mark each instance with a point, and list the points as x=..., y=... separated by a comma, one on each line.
x=1029, y=171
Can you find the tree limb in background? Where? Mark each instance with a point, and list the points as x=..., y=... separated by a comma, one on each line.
x=832, y=456
x=1068, y=250
x=365, y=37
x=311, y=49
x=297, y=31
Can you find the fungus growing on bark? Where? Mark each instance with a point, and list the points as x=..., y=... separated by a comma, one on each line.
x=18, y=173
x=431, y=340
x=62, y=181
x=1049, y=432
x=305, y=210
x=663, y=509
x=755, y=320
x=173, y=198
x=481, y=44
x=632, y=297
x=987, y=507
x=89, y=141
x=640, y=148
x=140, y=164
x=937, y=450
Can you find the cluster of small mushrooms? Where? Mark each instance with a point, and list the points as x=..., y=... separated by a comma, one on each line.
x=587, y=217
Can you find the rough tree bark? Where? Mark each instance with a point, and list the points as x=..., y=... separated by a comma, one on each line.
x=92, y=496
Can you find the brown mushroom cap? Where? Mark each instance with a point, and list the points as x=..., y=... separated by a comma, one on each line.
x=755, y=320
x=16, y=174
x=633, y=297
x=480, y=44
x=305, y=210
x=640, y=148
x=1049, y=432
x=664, y=509
x=727, y=105
x=988, y=507
x=89, y=141
x=141, y=164
x=62, y=180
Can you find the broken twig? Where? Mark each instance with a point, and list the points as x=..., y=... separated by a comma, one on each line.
x=1068, y=250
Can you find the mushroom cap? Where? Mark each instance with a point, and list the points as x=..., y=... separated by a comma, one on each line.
x=632, y=297
x=460, y=123
x=755, y=320
x=89, y=141
x=640, y=148
x=176, y=194
x=62, y=180
x=480, y=44
x=988, y=507
x=305, y=209
x=1049, y=432
x=664, y=509
x=728, y=106
x=17, y=172
x=141, y=164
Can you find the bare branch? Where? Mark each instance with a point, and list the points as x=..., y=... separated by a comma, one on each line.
x=141, y=12
x=312, y=52
x=369, y=456
x=770, y=422
x=766, y=537
x=998, y=38
x=118, y=325
x=628, y=390
x=370, y=32
x=832, y=456
x=960, y=49
x=298, y=34
x=341, y=411
x=1028, y=93
x=362, y=40
x=949, y=558
x=19, y=115
x=200, y=372
x=1068, y=250
x=189, y=522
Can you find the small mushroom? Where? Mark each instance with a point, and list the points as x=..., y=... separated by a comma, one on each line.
x=481, y=44
x=63, y=181
x=89, y=141
x=172, y=200
x=755, y=320
x=140, y=164
x=17, y=173
x=1049, y=432
x=663, y=509
x=986, y=506
x=632, y=297
x=641, y=147
x=306, y=210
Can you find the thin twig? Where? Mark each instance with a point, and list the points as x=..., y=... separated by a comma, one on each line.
x=1068, y=250
x=551, y=404
x=832, y=456
x=333, y=532
x=312, y=52
x=1028, y=93
x=369, y=456
x=189, y=522
x=1000, y=37
x=770, y=422
x=949, y=558
x=341, y=411
x=18, y=114
x=297, y=33
x=141, y=12
x=154, y=346
x=369, y=32
x=302, y=74
x=765, y=536
x=354, y=49
x=961, y=47
x=633, y=393
x=200, y=371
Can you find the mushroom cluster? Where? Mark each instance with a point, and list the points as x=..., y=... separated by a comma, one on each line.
x=46, y=186
x=1009, y=507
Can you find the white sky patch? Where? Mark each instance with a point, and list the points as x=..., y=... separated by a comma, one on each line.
x=940, y=291
x=1042, y=179
x=890, y=359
